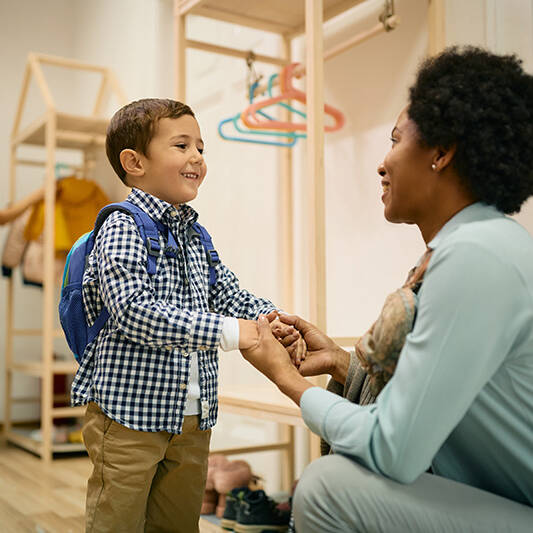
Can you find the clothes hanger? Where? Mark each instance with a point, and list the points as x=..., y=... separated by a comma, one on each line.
x=288, y=91
x=291, y=136
x=251, y=92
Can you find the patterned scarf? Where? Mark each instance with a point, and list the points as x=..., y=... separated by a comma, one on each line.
x=379, y=348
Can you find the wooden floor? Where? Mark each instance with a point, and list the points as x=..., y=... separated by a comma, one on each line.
x=40, y=498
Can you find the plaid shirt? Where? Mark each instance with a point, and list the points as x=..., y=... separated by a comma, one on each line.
x=137, y=369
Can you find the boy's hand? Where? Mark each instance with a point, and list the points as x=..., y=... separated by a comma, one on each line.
x=248, y=334
x=289, y=337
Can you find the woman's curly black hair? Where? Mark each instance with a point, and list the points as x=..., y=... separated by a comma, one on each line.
x=483, y=104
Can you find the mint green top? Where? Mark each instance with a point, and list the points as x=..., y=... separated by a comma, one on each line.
x=461, y=398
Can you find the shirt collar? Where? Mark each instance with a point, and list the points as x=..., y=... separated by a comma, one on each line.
x=471, y=213
x=161, y=210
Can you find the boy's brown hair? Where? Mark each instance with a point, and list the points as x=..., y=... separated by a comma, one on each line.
x=134, y=125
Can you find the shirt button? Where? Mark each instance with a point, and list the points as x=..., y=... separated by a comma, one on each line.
x=183, y=386
x=173, y=213
x=185, y=354
x=169, y=347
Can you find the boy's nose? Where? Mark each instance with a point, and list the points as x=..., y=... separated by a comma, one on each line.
x=381, y=170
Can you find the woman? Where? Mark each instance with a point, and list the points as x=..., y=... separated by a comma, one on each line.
x=457, y=397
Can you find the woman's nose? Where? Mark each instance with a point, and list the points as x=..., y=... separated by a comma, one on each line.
x=381, y=170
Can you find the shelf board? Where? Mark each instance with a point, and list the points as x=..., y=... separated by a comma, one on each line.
x=72, y=131
x=36, y=368
x=277, y=16
x=20, y=438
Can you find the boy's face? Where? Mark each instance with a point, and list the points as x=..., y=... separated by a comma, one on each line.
x=174, y=167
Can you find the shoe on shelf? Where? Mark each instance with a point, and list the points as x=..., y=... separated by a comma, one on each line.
x=215, y=461
x=209, y=503
x=258, y=513
x=210, y=500
x=228, y=477
x=233, y=502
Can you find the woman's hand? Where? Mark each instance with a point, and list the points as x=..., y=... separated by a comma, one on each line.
x=323, y=355
x=273, y=360
x=268, y=355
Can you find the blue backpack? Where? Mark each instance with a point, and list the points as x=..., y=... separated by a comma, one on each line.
x=71, y=312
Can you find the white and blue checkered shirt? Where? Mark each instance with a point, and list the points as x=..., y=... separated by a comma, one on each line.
x=138, y=367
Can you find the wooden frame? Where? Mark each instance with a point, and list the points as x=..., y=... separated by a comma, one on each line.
x=54, y=129
x=297, y=18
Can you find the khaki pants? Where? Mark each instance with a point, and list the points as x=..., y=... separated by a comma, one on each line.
x=144, y=481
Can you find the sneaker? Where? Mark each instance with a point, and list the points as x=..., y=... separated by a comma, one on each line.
x=258, y=514
x=233, y=502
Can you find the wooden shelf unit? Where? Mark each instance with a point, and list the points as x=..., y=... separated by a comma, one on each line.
x=288, y=20
x=291, y=19
x=55, y=129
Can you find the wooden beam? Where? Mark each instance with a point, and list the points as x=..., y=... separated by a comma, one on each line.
x=41, y=81
x=253, y=449
x=315, y=162
x=242, y=20
x=345, y=341
x=360, y=37
x=68, y=63
x=180, y=70
x=234, y=52
x=22, y=100
x=332, y=12
x=286, y=207
x=100, y=97
x=49, y=308
x=436, y=26
x=182, y=7
x=117, y=88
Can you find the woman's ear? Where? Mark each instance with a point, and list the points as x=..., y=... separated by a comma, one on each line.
x=443, y=157
x=131, y=162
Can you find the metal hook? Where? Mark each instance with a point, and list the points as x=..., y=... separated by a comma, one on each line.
x=253, y=78
x=388, y=12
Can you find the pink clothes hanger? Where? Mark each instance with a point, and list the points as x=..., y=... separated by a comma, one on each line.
x=288, y=92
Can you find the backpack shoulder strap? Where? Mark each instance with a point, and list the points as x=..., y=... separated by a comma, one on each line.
x=212, y=256
x=147, y=228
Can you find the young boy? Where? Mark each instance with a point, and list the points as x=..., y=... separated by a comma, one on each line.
x=150, y=377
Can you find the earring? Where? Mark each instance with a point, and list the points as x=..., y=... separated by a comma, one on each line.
x=433, y=166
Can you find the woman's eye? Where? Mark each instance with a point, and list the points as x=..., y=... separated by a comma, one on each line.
x=393, y=140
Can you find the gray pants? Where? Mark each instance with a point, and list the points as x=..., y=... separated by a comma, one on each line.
x=336, y=495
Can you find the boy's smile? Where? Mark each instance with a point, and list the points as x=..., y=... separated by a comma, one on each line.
x=174, y=167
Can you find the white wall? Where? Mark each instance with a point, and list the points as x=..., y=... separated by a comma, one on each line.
x=366, y=256
x=26, y=26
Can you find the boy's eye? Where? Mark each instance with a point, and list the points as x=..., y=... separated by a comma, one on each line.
x=181, y=145
x=393, y=140
x=201, y=150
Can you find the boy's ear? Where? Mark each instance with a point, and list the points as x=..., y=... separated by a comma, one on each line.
x=131, y=162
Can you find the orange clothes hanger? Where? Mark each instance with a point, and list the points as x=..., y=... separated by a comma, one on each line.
x=288, y=92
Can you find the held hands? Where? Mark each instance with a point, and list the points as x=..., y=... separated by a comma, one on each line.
x=323, y=355
x=291, y=339
x=281, y=331
x=268, y=355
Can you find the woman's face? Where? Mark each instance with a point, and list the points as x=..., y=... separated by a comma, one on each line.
x=406, y=175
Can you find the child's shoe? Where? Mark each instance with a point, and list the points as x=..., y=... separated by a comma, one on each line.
x=233, y=502
x=258, y=513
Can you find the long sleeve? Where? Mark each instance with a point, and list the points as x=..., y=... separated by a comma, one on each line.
x=128, y=293
x=471, y=311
